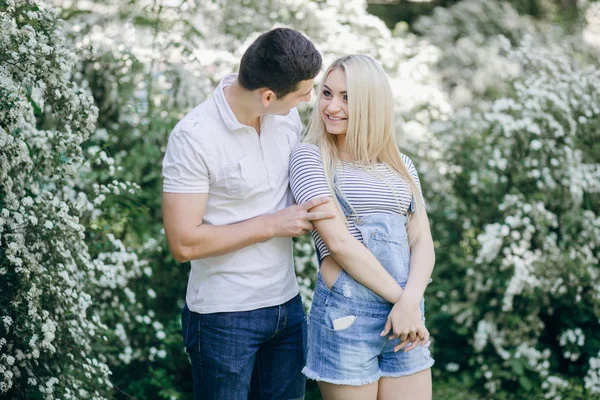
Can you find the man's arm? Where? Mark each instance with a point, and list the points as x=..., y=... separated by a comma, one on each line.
x=189, y=238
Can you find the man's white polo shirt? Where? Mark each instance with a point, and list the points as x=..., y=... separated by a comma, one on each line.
x=245, y=175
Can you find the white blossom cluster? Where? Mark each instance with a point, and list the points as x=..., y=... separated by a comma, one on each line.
x=592, y=379
x=555, y=387
x=572, y=340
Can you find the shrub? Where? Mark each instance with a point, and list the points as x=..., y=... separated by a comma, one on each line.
x=518, y=233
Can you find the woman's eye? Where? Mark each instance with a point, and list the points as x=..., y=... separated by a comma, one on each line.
x=345, y=97
x=326, y=93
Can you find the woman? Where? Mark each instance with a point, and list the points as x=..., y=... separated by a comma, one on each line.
x=351, y=154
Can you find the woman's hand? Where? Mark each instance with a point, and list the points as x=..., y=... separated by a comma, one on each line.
x=406, y=323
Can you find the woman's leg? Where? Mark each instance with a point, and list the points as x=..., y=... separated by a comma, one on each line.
x=330, y=391
x=412, y=387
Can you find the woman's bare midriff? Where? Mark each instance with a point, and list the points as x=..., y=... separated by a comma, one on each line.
x=330, y=270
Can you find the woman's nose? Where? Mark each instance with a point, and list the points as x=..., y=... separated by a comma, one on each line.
x=333, y=106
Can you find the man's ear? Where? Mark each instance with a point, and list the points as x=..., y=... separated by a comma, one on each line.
x=266, y=97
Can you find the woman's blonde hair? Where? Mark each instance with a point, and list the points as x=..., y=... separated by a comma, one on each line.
x=371, y=137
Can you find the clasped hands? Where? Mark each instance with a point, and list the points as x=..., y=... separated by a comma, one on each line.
x=405, y=322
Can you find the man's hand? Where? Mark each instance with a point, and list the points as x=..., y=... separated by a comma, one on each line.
x=295, y=220
x=406, y=322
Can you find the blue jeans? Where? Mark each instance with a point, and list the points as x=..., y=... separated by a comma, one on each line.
x=257, y=354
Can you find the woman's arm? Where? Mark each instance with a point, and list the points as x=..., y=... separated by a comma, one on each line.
x=353, y=256
x=422, y=260
x=308, y=180
x=405, y=317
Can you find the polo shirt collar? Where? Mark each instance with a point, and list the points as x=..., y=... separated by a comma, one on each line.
x=227, y=114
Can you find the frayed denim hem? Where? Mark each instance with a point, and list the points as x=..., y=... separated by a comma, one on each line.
x=310, y=374
x=410, y=372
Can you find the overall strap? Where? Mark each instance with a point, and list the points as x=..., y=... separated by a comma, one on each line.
x=343, y=203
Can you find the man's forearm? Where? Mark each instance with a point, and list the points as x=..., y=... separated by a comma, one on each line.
x=216, y=240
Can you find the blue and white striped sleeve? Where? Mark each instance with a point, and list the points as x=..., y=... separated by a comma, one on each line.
x=413, y=171
x=307, y=176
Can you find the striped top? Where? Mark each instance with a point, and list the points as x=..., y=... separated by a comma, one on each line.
x=368, y=192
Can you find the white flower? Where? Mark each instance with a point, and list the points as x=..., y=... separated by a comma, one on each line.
x=7, y=322
x=157, y=325
x=452, y=367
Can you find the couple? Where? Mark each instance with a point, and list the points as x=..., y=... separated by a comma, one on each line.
x=228, y=208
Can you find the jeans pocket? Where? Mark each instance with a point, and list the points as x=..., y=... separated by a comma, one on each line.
x=185, y=324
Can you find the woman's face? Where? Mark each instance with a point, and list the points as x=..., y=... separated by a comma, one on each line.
x=333, y=103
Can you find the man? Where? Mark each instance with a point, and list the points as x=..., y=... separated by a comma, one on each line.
x=227, y=208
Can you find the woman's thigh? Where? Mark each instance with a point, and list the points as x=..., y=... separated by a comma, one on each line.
x=411, y=387
x=330, y=391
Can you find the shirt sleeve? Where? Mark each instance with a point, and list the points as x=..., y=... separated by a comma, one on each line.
x=307, y=176
x=185, y=167
x=413, y=171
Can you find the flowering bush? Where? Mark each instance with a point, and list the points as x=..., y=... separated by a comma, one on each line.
x=519, y=241
x=47, y=329
x=62, y=272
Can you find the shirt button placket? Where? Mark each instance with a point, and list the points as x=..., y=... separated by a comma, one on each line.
x=267, y=160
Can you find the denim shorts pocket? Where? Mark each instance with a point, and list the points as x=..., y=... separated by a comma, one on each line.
x=331, y=314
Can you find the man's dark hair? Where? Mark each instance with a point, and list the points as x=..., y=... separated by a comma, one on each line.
x=279, y=60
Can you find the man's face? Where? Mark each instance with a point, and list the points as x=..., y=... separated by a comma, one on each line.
x=285, y=104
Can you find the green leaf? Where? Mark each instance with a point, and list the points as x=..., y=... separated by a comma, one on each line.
x=525, y=383
x=517, y=366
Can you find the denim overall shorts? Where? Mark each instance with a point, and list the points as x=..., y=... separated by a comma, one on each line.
x=356, y=354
